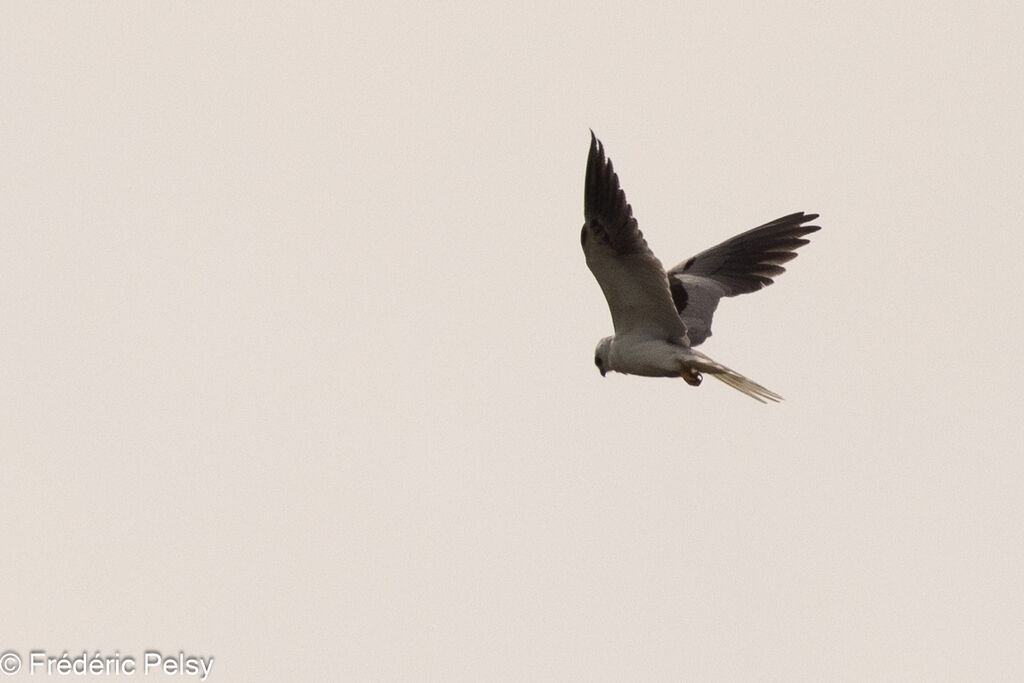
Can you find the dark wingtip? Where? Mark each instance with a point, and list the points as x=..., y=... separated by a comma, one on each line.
x=807, y=218
x=795, y=222
x=793, y=218
x=810, y=228
x=596, y=171
x=596, y=148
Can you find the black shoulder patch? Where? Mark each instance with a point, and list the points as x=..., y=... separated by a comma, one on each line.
x=678, y=293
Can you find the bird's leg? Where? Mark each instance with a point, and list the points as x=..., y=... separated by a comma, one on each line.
x=692, y=377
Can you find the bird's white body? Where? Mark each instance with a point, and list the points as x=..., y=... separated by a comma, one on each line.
x=633, y=354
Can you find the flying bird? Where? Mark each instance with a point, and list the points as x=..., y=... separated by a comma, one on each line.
x=658, y=317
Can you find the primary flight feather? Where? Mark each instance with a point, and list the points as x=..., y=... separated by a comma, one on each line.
x=659, y=317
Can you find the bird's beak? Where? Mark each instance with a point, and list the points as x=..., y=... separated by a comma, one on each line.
x=603, y=372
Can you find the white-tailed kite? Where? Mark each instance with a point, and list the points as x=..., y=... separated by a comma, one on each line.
x=659, y=317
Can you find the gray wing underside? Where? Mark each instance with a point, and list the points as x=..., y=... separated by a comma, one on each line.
x=742, y=264
x=630, y=275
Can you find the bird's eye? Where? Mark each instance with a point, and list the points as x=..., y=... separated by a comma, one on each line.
x=597, y=361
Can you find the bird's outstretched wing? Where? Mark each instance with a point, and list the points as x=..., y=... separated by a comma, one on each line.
x=742, y=264
x=631, y=276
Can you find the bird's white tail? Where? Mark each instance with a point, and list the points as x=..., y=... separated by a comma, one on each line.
x=731, y=377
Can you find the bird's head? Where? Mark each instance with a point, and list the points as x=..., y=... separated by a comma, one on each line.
x=602, y=354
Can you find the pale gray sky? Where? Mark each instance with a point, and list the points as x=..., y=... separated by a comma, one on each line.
x=297, y=341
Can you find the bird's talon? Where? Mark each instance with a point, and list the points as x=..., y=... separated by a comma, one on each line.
x=692, y=377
